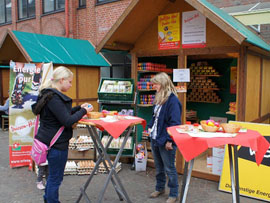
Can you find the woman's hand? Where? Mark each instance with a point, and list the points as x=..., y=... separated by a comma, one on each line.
x=88, y=107
x=168, y=146
x=85, y=105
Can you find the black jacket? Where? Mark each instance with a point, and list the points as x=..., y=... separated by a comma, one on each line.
x=56, y=112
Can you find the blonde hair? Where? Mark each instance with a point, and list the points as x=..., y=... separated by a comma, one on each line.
x=58, y=73
x=166, y=88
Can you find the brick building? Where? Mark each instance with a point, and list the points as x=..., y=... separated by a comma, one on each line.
x=78, y=19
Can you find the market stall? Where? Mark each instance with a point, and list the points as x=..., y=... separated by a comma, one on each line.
x=229, y=65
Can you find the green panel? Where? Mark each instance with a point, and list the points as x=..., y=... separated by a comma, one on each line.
x=250, y=36
x=145, y=113
x=205, y=110
x=59, y=50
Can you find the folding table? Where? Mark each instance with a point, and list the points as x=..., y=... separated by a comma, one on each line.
x=115, y=129
x=191, y=147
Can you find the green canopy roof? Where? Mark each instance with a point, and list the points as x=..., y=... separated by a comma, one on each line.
x=251, y=37
x=59, y=50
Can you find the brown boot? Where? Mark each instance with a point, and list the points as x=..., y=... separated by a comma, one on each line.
x=171, y=200
x=156, y=193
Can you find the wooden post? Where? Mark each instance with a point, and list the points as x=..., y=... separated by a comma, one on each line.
x=241, y=84
x=182, y=63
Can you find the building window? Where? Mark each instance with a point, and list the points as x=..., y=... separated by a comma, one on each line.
x=53, y=5
x=105, y=1
x=82, y=3
x=5, y=11
x=26, y=8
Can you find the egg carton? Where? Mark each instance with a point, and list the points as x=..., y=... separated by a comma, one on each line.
x=72, y=143
x=70, y=172
x=103, y=170
x=84, y=146
x=71, y=168
x=85, y=171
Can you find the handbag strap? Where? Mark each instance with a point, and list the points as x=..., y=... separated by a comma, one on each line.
x=36, y=126
x=55, y=138
x=57, y=135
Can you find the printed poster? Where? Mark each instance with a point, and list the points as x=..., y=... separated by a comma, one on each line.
x=254, y=181
x=193, y=30
x=169, y=31
x=25, y=79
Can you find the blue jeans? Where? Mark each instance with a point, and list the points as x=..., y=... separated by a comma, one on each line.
x=164, y=162
x=57, y=161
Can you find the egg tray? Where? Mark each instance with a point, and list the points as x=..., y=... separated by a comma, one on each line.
x=103, y=170
x=84, y=145
x=85, y=171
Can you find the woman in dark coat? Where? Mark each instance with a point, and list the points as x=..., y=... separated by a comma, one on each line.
x=166, y=112
x=55, y=109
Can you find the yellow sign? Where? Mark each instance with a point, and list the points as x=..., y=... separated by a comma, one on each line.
x=169, y=31
x=254, y=181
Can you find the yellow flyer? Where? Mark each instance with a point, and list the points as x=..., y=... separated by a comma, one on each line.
x=169, y=31
x=254, y=181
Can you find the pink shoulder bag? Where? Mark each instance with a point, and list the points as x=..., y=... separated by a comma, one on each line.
x=39, y=150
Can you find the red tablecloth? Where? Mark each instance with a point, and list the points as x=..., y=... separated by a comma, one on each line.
x=115, y=129
x=190, y=147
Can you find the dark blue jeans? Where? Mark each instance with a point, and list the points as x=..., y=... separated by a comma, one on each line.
x=165, y=163
x=57, y=161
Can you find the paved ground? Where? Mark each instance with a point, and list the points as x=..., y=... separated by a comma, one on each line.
x=18, y=185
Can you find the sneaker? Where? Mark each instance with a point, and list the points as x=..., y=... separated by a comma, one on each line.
x=40, y=185
x=156, y=193
x=171, y=200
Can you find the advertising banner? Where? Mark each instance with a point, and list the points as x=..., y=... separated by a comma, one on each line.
x=169, y=31
x=193, y=30
x=254, y=180
x=25, y=79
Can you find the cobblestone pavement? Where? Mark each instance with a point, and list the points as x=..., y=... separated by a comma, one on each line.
x=18, y=185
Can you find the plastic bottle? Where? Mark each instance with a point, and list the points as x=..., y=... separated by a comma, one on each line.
x=196, y=127
x=115, y=116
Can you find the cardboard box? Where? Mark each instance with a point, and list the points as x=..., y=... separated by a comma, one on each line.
x=218, y=152
x=140, y=164
x=81, y=155
x=217, y=165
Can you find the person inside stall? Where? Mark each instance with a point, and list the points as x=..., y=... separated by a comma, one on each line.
x=55, y=110
x=166, y=112
x=4, y=110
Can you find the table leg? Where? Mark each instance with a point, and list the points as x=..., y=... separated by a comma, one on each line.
x=188, y=181
x=232, y=173
x=184, y=179
x=112, y=171
x=236, y=173
x=94, y=135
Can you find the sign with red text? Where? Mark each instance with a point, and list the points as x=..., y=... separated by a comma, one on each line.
x=193, y=30
x=169, y=31
x=25, y=79
x=254, y=180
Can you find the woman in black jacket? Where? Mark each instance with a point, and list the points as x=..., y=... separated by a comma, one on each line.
x=55, y=109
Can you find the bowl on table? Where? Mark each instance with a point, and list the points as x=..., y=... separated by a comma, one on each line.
x=208, y=128
x=94, y=115
x=230, y=127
